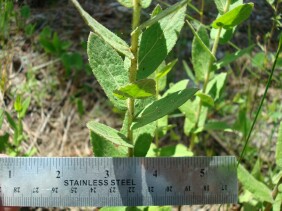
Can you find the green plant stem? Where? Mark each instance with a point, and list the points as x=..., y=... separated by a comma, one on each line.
x=207, y=77
x=133, y=68
x=157, y=125
x=274, y=195
x=261, y=103
x=202, y=11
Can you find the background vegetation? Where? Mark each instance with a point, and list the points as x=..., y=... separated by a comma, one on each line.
x=48, y=92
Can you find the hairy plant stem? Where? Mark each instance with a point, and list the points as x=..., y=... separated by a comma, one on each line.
x=133, y=68
x=207, y=78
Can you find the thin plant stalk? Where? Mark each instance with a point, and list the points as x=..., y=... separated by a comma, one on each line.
x=261, y=102
x=133, y=68
x=207, y=77
x=157, y=125
x=276, y=9
x=202, y=11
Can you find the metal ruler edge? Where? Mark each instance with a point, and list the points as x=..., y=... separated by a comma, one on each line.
x=104, y=181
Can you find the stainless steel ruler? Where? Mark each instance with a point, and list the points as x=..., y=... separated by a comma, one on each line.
x=53, y=182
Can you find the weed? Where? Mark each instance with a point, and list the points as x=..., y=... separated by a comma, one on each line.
x=16, y=124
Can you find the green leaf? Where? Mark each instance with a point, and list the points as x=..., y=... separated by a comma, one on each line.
x=258, y=189
x=162, y=107
x=178, y=150
x=162, y=126
x=180, y=85
x=158, y=40
x=206, y=99
x=218, y=125
x=228, y=58
x=200, y=42
x=142, y=145
x=108, y=36
x=143, y=137
x=156, y=208
x=129, y=3
x=258, y=60
x=108, y=134
x=165, y=70
x=145, y=3
x=200, y=56
x=278, y=202
x=215, y=86
x=256, y=171
x=234, y=17
x=276, y=177
x=138, y=90
x=172, y=9
x=157, y=10
x=188, y=71
x=18, y=103
x=278, y=155
x=189, y=109
x=4, y=142
x=270, y=2
x=221, y=4
x=104, y=148
x=152, y=151
x=12, y=123
x=107, y=67
x=25, y=106
x=225, y=34
x=161, y=82
x=126, y=3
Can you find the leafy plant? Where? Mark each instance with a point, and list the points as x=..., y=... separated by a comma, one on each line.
x=205, y=65
x=51, y=42
x=53, y=45
x=132, y=77
x=16, y=126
